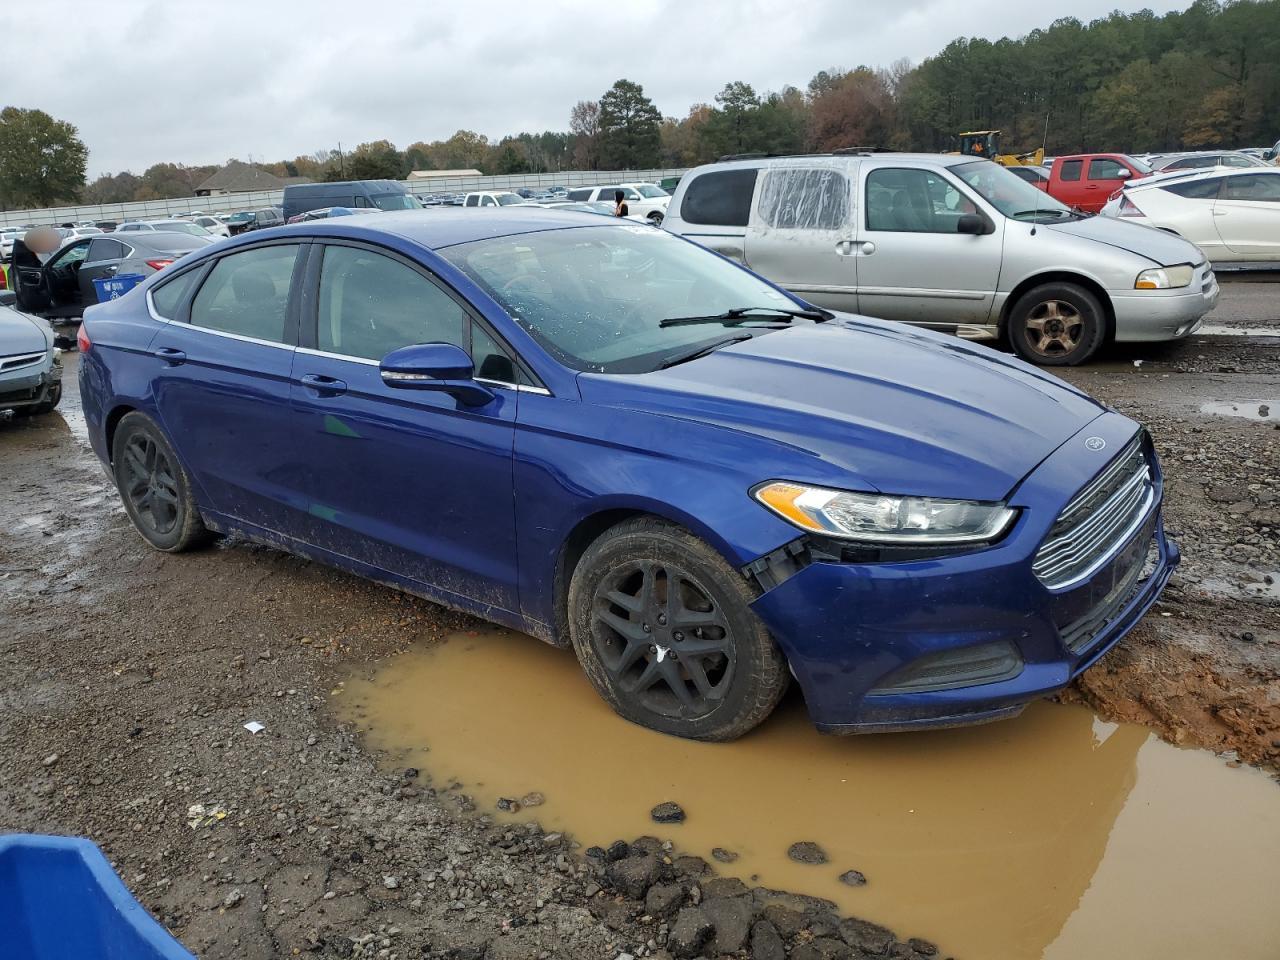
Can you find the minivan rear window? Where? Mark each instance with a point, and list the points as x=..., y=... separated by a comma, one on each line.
x=721, y=197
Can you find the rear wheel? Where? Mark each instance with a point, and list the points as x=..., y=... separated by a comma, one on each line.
x=663, y=629
x=1057, y=324
x=155, y=488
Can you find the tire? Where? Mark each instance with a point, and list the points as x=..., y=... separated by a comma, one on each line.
x=731, y=672
x=40, y=409
x=154, y=487
x=656, y=219
x=1057, y=324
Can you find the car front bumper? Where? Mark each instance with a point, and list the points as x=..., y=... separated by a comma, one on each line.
x=27, y=387
x=1164, y=314
x=849, y=628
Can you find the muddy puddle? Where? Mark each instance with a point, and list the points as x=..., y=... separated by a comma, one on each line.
x=1054, y=835
x=1261, y=410
x=1222, y=330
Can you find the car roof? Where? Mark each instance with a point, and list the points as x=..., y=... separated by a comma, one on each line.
x=436, y=229
x=1161, y=178
x=829, y=159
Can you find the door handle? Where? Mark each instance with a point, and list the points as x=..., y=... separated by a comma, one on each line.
x=172, y=356
x=324, y=386
x=1219, y=213
x=844, y=248
x=1091, y=186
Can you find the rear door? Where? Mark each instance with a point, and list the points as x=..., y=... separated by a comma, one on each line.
x=913, y=264
x=410, y=482
x=801, y=233
x=100, y=263
x=1247, y=215
x=716, y=210
x=221, y=382
x=1066, y=183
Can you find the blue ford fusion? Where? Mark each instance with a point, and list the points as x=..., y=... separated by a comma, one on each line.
x=617, y=441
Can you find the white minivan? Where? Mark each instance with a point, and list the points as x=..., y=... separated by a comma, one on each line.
x=949, y=242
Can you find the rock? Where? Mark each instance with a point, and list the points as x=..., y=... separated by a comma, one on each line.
x=723, y=855
x=533, y=799
x=766, y=942
x=690, y=867
x=732, y=919
x=663, y=899
x=691, y=931
x=853, y=878
x=50, y=760
x=866, y=936
x=632, y=876
x=787, y=921
x=667, y=812
x=232, y=899
x=617, y=850
x=390, y=883
x=823, y=948
x=723, y=888
x=922, y=946
x=508, y=805
x=806, y=851
x=642, y=845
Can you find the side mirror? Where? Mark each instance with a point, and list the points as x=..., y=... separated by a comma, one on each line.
x=441, y=367
x=973, y=224
x=1124, y=173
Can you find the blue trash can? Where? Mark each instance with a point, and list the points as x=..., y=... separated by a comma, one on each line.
x=113, y=288
x=60, y=900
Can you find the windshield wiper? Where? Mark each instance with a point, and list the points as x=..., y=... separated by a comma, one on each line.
x=1042, y=213
x=739, y=315
x=701, y=350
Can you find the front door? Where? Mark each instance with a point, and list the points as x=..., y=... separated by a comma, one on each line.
x=407, y=481
x=1104, y=177
x=221, y=381
x=801, y=234
x=62, y=276
x=1247, y=215
x=913, y=265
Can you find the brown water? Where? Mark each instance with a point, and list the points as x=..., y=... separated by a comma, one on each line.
x=1054, y=835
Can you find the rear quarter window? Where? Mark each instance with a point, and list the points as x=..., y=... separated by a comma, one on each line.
x=167, y=298
x=1196, y=189
x=720, y=198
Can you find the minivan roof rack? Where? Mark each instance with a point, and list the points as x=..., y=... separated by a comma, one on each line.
x=840, y=152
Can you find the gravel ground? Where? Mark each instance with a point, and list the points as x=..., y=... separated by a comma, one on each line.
x=126, y=676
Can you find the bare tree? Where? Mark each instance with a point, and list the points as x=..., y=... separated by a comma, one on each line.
x=584, y=124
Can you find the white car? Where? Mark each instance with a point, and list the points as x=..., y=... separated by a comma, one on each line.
x=645, y=200
x=212, y=224
x=493, y=198
x=170, y=226
x=1232, y=214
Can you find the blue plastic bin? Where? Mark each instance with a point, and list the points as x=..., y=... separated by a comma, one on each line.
x=60, y=900
x=113, y=288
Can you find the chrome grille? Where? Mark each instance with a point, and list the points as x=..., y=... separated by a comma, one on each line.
x=21, y=360
x=1098, y=521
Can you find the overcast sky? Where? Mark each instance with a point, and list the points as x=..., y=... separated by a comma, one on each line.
x=157, y=80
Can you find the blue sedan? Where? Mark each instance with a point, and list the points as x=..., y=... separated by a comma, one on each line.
x=617, y=441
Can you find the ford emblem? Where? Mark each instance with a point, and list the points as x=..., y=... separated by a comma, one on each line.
x=1095, y=443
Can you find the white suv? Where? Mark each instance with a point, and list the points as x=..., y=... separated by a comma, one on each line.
x=493, y=198
x=647, y=200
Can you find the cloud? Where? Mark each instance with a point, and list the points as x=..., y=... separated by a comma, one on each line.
x=147, y=81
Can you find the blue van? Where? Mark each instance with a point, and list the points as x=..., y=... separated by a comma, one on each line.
x=375, y=194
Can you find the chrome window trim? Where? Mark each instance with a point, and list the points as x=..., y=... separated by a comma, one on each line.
x=517, y=387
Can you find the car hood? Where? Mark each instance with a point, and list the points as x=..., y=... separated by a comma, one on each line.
x=871, y=405
x=20, y=333
x=1157, y=246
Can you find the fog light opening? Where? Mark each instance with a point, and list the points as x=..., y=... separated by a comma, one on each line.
x=950, y=669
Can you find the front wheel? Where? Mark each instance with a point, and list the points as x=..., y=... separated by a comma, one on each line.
x=1057, y=324
x=156, y=490
x=663, y=629
x=656, y=218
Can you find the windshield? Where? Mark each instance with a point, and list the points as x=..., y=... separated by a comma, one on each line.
x=1140, y=165
x=397, y=201
x=650, y=192
x=1009, y=193
x=239, y=217
x=594, y=296
x=509, y=199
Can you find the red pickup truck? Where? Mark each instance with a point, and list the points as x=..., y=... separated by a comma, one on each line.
x=1087, y=180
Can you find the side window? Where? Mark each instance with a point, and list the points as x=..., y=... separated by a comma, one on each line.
x=1102, y=168
x=913, y=201
x=580, y=194
x=488, y=201
x=104, y=248
x=721, y=198
x=1256, y=186
x=472, y=200
x=629, y=194
x=168, y=297
x=804, y=199
x=1233, y=161
x=1196, y=189
x=370, y=305
x=72, y=254
x=362, y=202
x=1071, y=169
x=248, y=294
x=492, y=361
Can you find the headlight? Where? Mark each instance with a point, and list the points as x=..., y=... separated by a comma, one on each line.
x=1165, y=278
x=880, y=518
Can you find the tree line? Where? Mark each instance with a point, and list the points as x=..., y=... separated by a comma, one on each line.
x=1207, y=76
